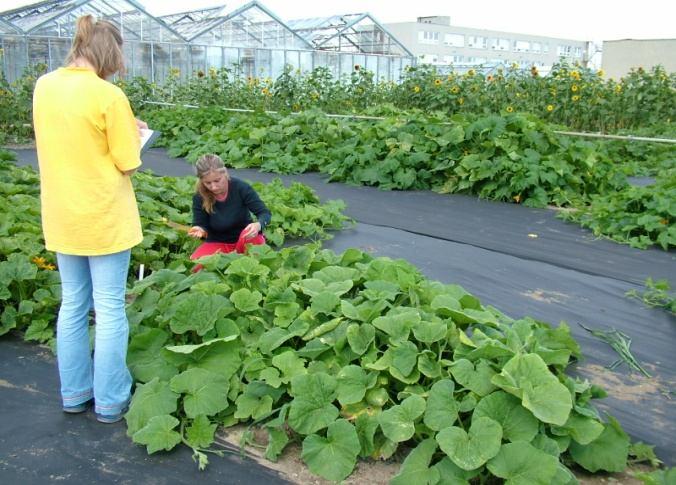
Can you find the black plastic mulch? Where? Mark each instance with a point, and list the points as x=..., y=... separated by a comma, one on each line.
x=525, y=262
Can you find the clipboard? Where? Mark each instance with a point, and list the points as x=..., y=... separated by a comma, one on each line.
x=148, y=138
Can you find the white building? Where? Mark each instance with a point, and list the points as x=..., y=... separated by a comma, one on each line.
x=620, y=56
x=435, y=41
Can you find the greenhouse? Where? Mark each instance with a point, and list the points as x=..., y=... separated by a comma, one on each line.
x=251, y=37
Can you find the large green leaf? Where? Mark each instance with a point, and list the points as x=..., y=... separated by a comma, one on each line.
x=158, y=434
x=415, y=470
x=360, y=337
x=452, y=474
x=312, y=408
x=430, y=332
x=404, y=357
x=583, y=429
x=246, y=300
x=289, y=364
x=471, y=450
x=353, y=381
x=205, y=392
x=200, y=433
x=520, y=463
x=518, y=424
x=144, y=356
x=335, y=456
x=398, y=324
x=476, y=378
x=442, y=408
x=528, y=378
x=398, y=422
x=199, y=313
x=608, y=452
x=152, y=399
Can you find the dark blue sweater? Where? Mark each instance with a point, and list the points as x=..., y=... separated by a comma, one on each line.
x=232, y=215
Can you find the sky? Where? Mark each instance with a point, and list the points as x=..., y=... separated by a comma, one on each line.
x=594, y=20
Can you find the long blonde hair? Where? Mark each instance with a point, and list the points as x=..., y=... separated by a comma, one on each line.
x=100, y=43
x=206, y=164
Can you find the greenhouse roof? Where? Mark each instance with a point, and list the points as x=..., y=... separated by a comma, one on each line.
x=251, y=25
x=358, y=32
x=57, y=18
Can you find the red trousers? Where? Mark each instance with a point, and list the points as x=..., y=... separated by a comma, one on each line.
x=208, y=248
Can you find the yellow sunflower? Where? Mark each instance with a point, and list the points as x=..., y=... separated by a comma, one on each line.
x=550, y=108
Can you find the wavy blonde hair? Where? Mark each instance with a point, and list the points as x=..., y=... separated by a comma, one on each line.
x=100, y=43
x=205, y=165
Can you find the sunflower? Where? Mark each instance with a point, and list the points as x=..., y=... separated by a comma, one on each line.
x=461, y=100
x=416, y=89
x=601, y=73
x=471, y=73
x=576, y=98
x=509, y=109
x=200, y=73
x=437, y=82
x=574, y=88
x=575, y=75
x=489, y=78
x=455, y=89
x=550, y=108
x=265, y=91
x=618, y=89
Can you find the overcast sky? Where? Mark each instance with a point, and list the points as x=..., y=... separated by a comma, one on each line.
x=573, y=19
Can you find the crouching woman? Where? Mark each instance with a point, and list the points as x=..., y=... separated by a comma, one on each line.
x=222, y=208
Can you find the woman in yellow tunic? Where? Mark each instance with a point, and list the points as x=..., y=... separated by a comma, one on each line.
x=88, y=146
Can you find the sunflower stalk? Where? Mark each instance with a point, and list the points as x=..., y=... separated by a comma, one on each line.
x=620, y=342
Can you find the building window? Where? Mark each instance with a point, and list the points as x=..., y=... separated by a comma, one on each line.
x=455, y=40
x=564, y=51
x=477, y=42
x=536, y=47
x=578, y=52
x=427, y=37
x=453, y=59
x=521, y=46
x=500, y=44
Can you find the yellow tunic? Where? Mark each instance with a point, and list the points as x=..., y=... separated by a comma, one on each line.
x=86, y=136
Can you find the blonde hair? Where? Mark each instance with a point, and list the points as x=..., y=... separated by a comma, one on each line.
x=205, y=165
x=100, y=43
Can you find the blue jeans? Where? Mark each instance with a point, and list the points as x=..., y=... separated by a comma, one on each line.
x=101, y=279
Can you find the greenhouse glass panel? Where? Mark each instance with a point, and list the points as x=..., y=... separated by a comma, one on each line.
x=214, y=57
x=263, y=63
x=293, y=59
x=58, y=51
x=306, y=64
x=198, y=60
x=359, y=60
x=179, y=61
x=15, y=57
x=372, y=64
x=278, y=61
x=384, y=68
x=346, y=64
x=143, y=60
x=162, y=61
x=333, y=63
x=230, y=57
x=247, y=65
x=38, y=51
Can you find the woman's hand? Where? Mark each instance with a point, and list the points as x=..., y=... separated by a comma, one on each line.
x=197, y=232
x=252, y=230
x=141, y=125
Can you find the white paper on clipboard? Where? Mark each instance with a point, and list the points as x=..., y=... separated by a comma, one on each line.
x=148, y=137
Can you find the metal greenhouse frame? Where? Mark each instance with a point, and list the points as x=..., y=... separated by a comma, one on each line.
x=252, y=38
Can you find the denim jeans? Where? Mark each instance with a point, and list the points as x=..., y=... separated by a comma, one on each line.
x=101, y=279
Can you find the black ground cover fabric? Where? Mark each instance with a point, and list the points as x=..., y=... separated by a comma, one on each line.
x=524, y=262
x=41, y=444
